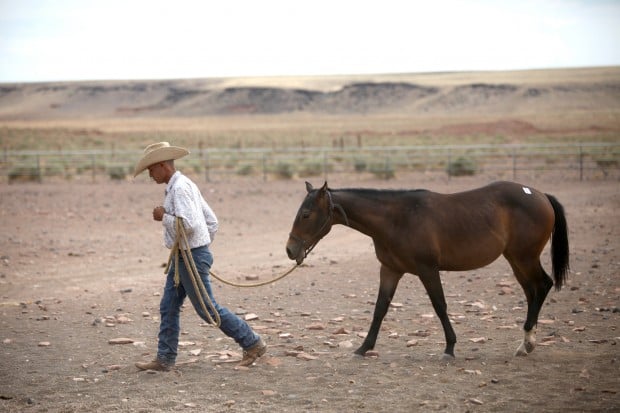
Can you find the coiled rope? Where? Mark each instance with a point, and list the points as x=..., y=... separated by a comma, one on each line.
x=182, y=245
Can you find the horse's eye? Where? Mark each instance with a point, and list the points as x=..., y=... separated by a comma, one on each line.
x=305, y=214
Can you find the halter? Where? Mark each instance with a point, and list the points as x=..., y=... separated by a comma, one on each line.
x=329, y=220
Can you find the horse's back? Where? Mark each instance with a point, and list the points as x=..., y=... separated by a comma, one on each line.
x=507, y=195
x=472, y=228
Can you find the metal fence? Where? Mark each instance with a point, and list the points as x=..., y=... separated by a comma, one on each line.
x=579, y=161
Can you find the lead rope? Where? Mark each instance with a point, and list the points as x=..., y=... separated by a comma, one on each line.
x=258, y=284
x=307, y=250
x=175, y=252
x=181, y=244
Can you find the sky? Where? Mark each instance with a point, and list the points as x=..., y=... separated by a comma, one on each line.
x=66, y=40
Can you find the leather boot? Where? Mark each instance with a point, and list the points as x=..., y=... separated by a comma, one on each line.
x=250, y=355
x=156, y=365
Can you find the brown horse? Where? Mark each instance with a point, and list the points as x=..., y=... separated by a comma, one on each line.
x=423, y=232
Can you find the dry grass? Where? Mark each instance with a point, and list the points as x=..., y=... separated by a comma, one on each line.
x=298, y=131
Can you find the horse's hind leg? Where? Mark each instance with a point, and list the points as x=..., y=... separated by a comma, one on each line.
x=387, y=287
x=536, y=284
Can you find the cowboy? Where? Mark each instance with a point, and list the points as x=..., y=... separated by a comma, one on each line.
x=184, y=200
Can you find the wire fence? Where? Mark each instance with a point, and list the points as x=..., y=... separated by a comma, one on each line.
x=579, y=161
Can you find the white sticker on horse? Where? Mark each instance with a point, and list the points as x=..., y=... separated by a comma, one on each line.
x=527, y=190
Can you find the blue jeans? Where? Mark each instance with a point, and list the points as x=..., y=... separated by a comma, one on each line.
x=170, y=308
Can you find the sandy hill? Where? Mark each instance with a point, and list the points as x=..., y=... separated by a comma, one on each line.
x=493, y=93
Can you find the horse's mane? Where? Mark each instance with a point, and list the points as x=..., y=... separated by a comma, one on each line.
x=378, y=193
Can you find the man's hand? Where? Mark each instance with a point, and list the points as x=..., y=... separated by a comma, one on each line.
x=158, y=213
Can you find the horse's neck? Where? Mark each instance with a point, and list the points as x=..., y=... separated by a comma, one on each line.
x=362, y=214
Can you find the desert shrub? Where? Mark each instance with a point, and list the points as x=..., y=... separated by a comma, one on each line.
x=194, y=164
x=359, y=164
x=245, y=170
x=383, y=170
x=461, y=167
x=117, y=173
x=54, y=170
x=88, y=166
x=417, y=165
x=607, y=163
x=24, y=174
x=284, y=170
x=231, y=162
x=311, y=168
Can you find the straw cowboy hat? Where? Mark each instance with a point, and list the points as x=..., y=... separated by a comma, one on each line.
x=158, y=152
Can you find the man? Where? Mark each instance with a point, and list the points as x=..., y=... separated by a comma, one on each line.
x=183, y=199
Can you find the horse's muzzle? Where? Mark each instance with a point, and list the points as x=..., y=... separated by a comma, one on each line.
x=295, y=251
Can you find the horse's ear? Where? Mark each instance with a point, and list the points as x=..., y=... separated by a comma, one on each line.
x=309, y=187
x=324, y=188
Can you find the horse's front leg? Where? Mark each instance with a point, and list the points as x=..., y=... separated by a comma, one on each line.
x=432, y=283
x=388, y=282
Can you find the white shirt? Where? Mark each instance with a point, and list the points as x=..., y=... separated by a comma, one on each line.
x=183, y=199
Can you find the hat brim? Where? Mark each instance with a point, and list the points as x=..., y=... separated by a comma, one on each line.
x=159, y=155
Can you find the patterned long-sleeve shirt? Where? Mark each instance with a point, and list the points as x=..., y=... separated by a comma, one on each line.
x=183, y=199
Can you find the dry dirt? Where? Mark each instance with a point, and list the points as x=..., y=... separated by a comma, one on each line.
x=81, y=264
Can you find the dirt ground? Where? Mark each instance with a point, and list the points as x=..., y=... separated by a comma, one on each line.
x=81, y=265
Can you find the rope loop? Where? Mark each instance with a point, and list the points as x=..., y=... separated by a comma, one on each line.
x=182, y=245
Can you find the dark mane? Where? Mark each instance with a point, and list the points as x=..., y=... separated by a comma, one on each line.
x=371, y=193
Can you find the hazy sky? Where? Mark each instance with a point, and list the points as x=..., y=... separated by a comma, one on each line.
x=151, y=39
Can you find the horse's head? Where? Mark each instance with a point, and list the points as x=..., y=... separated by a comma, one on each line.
x=313, y=221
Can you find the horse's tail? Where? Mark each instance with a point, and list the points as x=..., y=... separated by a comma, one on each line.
x=559, y=244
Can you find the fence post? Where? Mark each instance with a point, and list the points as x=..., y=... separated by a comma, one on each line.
x=325, y=165
x=580, y=162
x=207, y=167
x=39, y=175
x=264, y=162
x=93, y=165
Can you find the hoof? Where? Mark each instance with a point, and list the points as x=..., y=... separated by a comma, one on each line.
x=525, y=348
x=521, y=351
x=360, y=352
x=448, y=358
x=529, y=347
